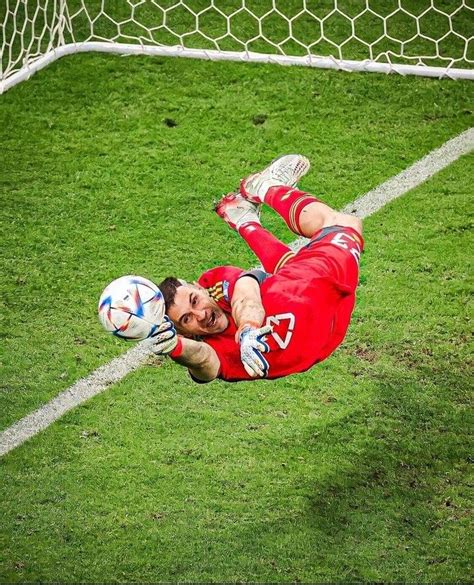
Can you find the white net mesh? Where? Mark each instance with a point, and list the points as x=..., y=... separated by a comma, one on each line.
x=394, y=33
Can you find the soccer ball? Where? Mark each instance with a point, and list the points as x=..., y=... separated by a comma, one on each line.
x=131, y=307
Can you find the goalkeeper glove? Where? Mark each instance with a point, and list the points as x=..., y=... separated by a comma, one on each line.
x=252, y=345
x=166, y=340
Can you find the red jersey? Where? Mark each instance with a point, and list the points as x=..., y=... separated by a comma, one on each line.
x=308, y=302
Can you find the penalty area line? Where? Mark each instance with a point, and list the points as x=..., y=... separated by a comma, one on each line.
x=118, y=368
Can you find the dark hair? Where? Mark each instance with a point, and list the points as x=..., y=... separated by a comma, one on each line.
x=168, y=287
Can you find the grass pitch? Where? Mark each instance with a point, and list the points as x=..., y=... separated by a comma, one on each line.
x=356, y=470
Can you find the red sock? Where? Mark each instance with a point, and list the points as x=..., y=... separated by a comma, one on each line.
x=269, y=250
x=289, y=203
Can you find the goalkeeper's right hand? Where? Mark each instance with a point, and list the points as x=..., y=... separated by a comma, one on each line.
x=165, y=338
x=253, y=345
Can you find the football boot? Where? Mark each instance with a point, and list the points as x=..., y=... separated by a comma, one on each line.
x=285, y=170
x=237, y=211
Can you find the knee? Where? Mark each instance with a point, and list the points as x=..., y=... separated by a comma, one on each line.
x=356, y=223
x=347, y=220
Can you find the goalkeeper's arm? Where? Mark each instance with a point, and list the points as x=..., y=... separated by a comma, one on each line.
x=200, y=359
x=248, y=313
x=246, y=301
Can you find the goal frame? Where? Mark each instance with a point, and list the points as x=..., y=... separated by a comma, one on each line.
x=58, y=47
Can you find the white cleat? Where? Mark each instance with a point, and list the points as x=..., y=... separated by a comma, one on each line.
x=237, y=211
x=285, y=170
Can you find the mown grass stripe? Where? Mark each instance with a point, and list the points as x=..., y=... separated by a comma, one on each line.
x=413, y=176
x=118, y=368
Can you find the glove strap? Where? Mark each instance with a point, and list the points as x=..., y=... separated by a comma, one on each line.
x=178, y=350
x=252, y=324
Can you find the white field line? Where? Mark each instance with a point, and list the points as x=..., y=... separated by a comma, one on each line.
x=118, y=368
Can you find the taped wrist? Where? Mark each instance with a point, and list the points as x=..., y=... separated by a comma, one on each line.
x=178, y=350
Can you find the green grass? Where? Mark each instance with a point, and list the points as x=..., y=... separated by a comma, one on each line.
x=356, y=470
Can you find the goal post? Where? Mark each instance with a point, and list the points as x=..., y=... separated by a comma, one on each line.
x=420, y=37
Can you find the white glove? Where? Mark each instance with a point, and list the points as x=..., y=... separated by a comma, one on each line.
x=165, y=338
x=252, y=346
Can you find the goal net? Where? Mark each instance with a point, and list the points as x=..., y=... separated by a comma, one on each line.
x=425, y=37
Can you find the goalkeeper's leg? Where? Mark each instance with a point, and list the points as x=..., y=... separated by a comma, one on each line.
x=272, y=253
x=243, y=217
x=304, y=214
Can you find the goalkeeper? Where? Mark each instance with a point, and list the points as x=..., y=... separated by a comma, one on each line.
x=240, y=325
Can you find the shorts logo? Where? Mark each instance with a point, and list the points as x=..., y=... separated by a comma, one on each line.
x=275, y=321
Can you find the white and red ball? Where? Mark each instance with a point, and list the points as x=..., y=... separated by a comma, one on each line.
x=131, y=307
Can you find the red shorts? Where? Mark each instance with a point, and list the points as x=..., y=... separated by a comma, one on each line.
x=329, y=264
x=333, y=253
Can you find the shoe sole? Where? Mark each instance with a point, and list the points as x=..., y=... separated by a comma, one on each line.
x=305, y=162
x=305, y=168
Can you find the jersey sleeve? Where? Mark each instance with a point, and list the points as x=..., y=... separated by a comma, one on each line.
x=220, y=283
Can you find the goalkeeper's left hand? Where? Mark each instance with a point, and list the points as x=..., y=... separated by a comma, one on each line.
x=252, y=345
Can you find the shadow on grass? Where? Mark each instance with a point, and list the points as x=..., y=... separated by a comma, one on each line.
x=400, y=482
x=387, y=498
